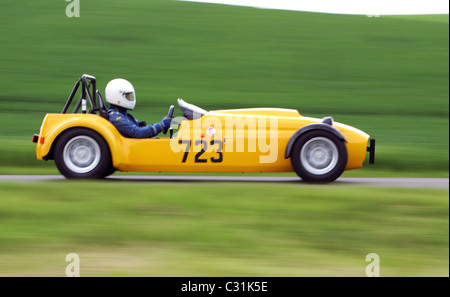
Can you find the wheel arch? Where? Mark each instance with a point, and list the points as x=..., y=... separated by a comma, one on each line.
x=50, y=155
x=106, y=130
x=309, y=128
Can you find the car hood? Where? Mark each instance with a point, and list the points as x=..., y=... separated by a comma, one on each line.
x=268, y=112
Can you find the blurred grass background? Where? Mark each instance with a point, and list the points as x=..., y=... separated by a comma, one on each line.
x=181, y=229
x=387, y=76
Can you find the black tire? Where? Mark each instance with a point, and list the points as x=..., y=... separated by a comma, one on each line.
x=110, y=170
x=82, y=153
x=319, y=156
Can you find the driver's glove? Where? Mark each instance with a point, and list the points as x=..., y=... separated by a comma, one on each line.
x=165, y=123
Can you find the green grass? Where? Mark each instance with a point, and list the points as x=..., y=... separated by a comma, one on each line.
x=212, y=229
x=387, y=76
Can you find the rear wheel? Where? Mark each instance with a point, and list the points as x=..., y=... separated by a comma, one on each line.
x=110, y=170
x=319, y=156
x=82, y=153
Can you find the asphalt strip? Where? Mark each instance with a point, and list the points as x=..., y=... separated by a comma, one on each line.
x=441, y=183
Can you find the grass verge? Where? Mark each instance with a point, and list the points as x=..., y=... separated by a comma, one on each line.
x=212, y=229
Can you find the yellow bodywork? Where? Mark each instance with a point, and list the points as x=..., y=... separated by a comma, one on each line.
x=241, y=140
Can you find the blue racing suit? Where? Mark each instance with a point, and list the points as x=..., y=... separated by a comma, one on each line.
x=129, y=127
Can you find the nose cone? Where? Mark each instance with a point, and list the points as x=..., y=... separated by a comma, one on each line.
x=357, y=142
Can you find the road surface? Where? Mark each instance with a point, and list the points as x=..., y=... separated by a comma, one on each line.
x=442, y=183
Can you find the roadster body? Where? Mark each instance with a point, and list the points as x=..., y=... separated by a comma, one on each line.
x=84, y=144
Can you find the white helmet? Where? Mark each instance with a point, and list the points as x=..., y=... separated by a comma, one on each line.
x=120, y=92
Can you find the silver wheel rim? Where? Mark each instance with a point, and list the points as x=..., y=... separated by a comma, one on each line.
x=81, y=154
x=319, y=155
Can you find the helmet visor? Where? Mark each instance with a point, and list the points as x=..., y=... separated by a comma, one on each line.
x=129, y=96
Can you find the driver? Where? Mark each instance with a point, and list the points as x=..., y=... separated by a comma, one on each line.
x=119, y=93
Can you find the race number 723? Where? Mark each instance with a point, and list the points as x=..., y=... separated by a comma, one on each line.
x=218, y=158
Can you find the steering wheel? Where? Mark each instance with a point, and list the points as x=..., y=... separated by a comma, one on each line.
x=169, y=116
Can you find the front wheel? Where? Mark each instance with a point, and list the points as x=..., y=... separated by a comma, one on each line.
x=82, y=153
x=319, y=156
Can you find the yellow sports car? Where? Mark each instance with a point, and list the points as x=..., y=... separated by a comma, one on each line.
x=84, y=144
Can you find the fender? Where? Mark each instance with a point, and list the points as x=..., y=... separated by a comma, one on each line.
x=324, y=126
x=55, y=124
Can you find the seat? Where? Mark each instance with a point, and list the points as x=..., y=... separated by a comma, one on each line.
x=103, y=112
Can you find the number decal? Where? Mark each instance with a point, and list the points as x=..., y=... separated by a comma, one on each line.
x=188, y=147
x=219, y=151
x=204, y=147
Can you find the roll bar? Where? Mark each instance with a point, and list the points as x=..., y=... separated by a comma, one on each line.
x=89, y=93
